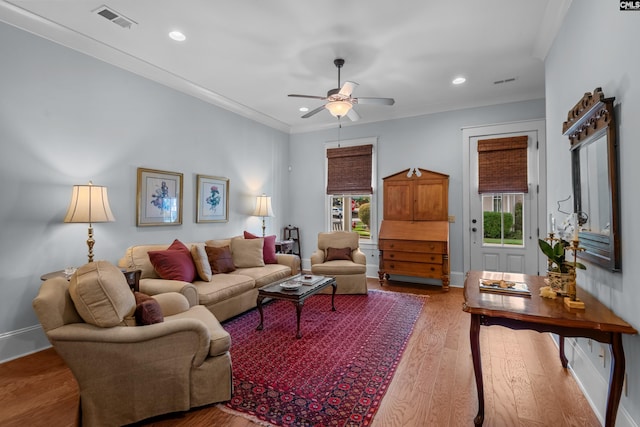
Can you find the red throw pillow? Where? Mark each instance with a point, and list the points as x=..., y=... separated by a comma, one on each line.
x=148, y=311
x=268, y=249
x=220, y=259
x=338, y=253
x=175, y=263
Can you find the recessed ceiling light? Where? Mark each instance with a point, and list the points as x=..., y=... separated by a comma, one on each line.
x=303, y=109
x=177, y=36
x=459, y=80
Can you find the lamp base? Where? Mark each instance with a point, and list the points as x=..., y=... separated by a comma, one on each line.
x=577, y=304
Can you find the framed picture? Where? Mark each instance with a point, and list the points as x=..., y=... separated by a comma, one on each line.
x=159, y=198
x=212, y=203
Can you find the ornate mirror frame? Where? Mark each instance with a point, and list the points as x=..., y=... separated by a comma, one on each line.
x=591, y=128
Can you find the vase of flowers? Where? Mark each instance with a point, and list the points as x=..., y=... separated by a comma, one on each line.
x=561, y=272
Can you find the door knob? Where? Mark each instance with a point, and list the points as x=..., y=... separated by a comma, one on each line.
x=474, y=229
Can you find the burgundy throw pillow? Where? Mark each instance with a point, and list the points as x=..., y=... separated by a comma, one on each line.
x=175, y=263
x=268, y=249
x=220, y=259
x=338, y=253
x=148, y=311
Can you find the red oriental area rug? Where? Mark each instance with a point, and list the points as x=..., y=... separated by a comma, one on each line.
x=335, y=375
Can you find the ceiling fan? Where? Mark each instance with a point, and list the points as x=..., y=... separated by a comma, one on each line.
x=340, y=103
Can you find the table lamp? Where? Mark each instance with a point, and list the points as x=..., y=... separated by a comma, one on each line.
x=89, y=204
x=263, y=209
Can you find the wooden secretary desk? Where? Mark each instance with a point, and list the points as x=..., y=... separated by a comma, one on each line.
x=414, y=234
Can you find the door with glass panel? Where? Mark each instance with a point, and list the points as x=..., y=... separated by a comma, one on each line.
x=503, y=202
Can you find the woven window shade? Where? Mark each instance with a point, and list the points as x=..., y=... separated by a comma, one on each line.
x=349, y=170
x=502, y=165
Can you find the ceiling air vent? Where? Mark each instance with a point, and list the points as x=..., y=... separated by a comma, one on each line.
x=115, y=17
x=509, y=80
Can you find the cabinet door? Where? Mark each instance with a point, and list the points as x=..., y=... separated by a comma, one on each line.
x=398, y=200
x=431, y=200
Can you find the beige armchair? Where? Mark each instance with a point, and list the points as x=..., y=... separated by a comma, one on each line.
x=349, y=266
x=127, y=373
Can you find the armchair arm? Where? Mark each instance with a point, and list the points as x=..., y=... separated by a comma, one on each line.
x=291, y=261
x=317, y=257
x=192, y=335
x=161, y=286
x=359, y=257
x=172, y=303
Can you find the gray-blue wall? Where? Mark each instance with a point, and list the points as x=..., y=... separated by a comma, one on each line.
x=597, y=47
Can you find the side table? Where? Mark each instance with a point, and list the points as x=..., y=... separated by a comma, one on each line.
x=284, y=246
x=132, y=276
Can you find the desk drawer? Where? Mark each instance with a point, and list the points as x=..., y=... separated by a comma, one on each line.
x=413, y=268
x=412, y=246
x=433, y=258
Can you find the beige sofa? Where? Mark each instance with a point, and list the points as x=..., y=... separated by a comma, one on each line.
x=226, y=295
x=126, y=372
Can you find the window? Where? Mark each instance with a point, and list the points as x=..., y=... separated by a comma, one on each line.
x=350, y=194
x=502, y=219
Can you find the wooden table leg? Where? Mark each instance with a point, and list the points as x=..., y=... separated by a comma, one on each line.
x=474, y=336
x=563, y=357
x=259, y=303
x=298, y=313
x=334, y=285
x=616, y=379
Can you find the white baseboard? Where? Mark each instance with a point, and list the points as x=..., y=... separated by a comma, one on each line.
x=594, y=387
x=21, y=342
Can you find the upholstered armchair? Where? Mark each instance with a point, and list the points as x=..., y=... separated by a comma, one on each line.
x=339, y=255
x=127, y=372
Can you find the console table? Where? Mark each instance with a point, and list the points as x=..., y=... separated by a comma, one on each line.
x=545, y=315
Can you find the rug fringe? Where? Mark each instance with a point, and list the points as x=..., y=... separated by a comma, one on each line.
x=252, y=418
x=403, y=293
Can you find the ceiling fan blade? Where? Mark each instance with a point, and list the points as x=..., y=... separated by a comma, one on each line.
x=353, y=115
x=347, y=88
x=312, y=112
x=307, y=96
x=379, y=101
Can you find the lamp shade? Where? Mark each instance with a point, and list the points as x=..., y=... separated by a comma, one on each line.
x=263, y=206
x=338, y=108
x=89, y=204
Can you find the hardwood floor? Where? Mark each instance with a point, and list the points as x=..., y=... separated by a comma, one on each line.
x=434, y=385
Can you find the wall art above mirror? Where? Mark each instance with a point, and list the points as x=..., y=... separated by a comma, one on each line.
x=591, y=128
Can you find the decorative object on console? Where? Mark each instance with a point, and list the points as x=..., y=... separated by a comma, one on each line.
x=89, y=204
x=159, y=198
x=212, y=199
x=263, y=209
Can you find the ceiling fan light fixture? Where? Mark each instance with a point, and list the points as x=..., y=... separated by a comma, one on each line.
x=338, y=108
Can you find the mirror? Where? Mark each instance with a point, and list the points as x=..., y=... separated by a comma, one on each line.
x=590, y=127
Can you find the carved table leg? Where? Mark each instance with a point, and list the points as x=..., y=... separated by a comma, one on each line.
x=334, y=285
x=259, y=303
x=615, y=380
x=298, y=313
x=381, y=277
x=474, y=336
x=563, y=357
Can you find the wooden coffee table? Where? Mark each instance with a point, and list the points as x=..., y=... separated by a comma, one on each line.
x=308, y=287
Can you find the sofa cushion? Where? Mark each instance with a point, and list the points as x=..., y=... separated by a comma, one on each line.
x=148, y=310
x=218, y=243
x=101, y=294
x=247, y=252
x=175, y=263
x=333, y=268
x=223, y=287
x=338, y=253
x=265, y=275
x=201, y=260
x=220, y=259
x=268, y=249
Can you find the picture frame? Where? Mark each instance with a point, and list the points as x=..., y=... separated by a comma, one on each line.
x=158, y=198
x=212, y=200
